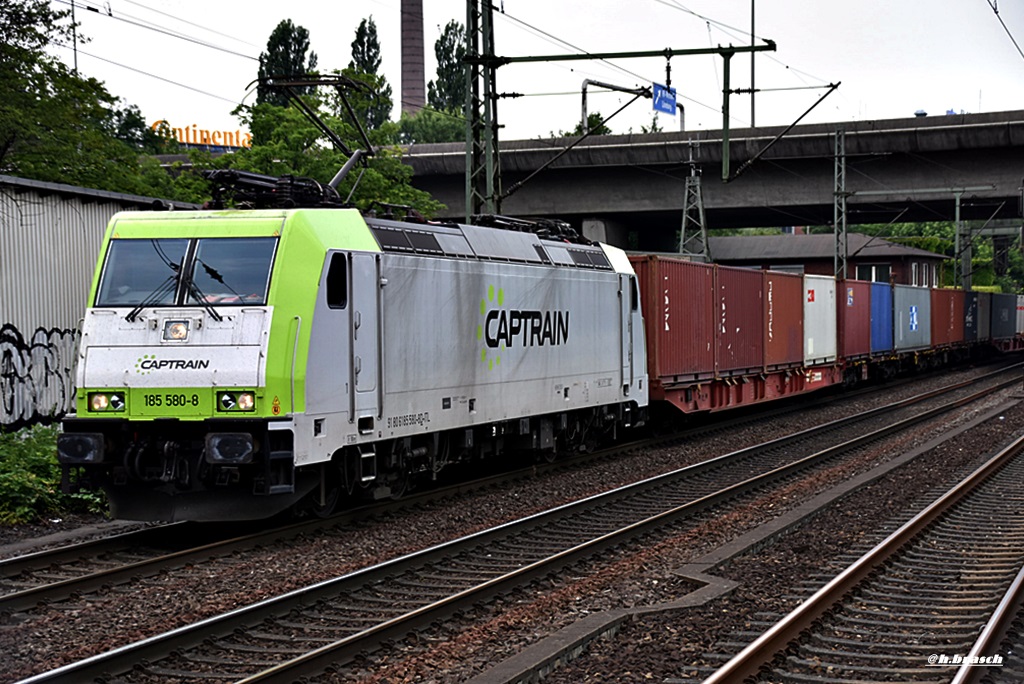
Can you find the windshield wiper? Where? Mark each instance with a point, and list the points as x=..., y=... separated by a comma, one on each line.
x=162, y=290
x=197, y=294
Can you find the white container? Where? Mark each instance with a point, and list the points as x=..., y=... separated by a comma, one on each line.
x=819, y=320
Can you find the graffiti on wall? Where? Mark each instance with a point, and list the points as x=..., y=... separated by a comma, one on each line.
x=36, y=376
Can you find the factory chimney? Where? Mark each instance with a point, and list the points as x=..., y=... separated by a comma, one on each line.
x=413, y=90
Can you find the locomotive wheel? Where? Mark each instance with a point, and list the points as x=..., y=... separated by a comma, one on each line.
x=349, y=472
x=400, y=485
x=327, y=496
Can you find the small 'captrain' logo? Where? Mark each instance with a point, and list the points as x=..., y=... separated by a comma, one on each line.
x=148, y=363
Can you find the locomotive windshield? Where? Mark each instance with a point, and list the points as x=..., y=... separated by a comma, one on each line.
x=231, y=271
x=221, y=271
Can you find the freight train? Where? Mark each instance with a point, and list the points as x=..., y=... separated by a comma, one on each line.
x=237, y=363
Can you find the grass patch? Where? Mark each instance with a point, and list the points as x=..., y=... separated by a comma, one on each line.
x=30, y=479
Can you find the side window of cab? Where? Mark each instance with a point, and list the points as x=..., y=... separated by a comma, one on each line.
x=337, y=281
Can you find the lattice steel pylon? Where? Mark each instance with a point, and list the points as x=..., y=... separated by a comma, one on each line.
x=839, y=205
x=483, y=170
x=693, y=236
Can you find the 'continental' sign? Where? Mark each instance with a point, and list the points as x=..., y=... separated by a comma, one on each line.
x=193, y=135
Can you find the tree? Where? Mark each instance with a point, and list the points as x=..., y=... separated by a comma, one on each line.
x=285, y=58
x=27, y=27
x=431, y=126
x=448, y=93
x=366, y=59
x=129, y=126
x=285, y=142
x=595, y=124
x=59, y=126
x=655, y=126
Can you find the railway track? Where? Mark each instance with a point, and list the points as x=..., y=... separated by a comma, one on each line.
x=57, y=574
x=912, y=607
x=304, y=631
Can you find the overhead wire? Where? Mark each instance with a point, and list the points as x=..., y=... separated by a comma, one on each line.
x=555, y=40
x=994, y=4
x=741, y=36
x=134, y=21
x=186, y=21
x=146, y=73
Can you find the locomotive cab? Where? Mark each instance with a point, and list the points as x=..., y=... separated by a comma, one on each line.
x=177, y=399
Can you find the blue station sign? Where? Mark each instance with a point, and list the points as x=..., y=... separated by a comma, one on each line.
x=664, y=99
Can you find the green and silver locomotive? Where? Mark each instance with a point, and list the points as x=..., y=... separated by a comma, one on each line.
x=237, y=363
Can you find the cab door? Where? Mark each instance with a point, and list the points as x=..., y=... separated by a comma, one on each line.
x=365, y=336
x=626, y=330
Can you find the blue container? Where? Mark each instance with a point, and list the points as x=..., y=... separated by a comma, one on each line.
x=1004, y=316
x=881, y=318
x=970, y=316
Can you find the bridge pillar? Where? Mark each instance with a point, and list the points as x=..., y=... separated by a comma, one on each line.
x=607, y=231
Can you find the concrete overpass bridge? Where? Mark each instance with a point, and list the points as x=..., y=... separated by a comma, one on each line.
x=906, y=170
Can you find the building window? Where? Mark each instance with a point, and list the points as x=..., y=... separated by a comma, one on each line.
x=915, y=274
x=877, y=273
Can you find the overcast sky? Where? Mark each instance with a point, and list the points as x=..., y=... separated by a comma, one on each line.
x=893, y=57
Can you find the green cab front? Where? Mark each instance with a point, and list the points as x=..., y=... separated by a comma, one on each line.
x=192, y=360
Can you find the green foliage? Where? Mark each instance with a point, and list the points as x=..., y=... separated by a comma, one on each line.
x=371, y=100
x=27, y=27
x=937, y=245
x=448, y=93
x=285, y=58
x=431, y=126
x=30, y=478
x=595, y=124
x=285, y=142
x=655, y=126
x=61, y=127
x=373, y=111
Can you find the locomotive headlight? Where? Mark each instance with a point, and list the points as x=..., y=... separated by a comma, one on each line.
x=176, y=331
x=236, y=401
x=106, y=401
x=246, y=401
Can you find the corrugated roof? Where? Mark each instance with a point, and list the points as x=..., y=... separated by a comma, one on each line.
x=803, y=247
x=137, y=201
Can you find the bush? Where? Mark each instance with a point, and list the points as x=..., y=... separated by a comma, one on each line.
x=30, y=479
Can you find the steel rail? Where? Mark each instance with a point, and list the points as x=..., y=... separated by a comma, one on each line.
x=159, y=646
x=27, y=598
x=758, y=654
x=993, y=632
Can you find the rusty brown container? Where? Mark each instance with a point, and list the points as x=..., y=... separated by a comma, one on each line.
x=854, y=307
x=783, y=320
x=739, y=320
x=947, y=317
x=676, y=298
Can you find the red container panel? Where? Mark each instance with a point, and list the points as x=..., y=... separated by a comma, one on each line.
x=854, y=318
x=739, y=312
x=947, y=317
x=783, y=320
x=677, y=300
